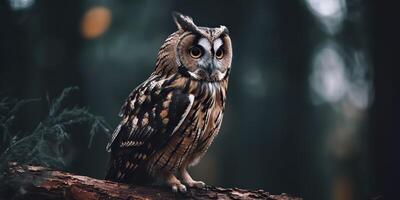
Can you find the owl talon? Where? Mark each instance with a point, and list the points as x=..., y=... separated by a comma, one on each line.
x=187, y=179
x=179, y=187
x=196, y=184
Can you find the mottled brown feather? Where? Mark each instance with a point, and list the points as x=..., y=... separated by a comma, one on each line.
x=170, y=120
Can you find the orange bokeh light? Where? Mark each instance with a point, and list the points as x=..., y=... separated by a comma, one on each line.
x=95, y=22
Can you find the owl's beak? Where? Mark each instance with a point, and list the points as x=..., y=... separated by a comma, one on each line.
x=210, y=72
x=210, y=68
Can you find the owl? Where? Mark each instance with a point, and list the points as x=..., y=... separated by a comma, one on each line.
x=170, y=120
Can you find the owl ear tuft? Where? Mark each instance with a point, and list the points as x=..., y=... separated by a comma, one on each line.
x=224, y=30
x=184, y=22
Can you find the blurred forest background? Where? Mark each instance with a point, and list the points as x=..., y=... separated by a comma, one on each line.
x=309, y=108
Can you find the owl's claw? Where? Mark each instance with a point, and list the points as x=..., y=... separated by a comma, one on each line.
x=174, y=183
x=187, y=179
x=196, y=184
x=179, y=187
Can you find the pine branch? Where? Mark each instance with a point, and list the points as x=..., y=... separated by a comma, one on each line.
x=44, y=144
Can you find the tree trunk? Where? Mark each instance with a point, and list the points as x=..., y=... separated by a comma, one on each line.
x=35, y=182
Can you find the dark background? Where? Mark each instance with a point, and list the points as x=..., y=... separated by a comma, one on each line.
x=311, y=103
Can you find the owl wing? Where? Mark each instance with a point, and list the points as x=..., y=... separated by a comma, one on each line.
x=150, y=118
x=132, y=105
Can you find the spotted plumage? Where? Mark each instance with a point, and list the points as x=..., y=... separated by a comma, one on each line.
x=170, y=120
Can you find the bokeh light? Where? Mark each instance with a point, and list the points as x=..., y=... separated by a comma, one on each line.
x=361, y=90
x=254, y=82
x=95, y=22
x=21, y=4
x=332, y=80
x=329, y=12
x=328, y=78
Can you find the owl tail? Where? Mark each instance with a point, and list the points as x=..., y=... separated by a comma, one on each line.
x=118, y=173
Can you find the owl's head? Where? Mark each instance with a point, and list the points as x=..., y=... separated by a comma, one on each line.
x=201, y=53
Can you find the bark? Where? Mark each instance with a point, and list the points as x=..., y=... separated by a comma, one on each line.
x=35, y=182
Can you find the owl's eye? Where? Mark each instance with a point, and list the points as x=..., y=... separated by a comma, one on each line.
x=196, y=52
x=219, y=53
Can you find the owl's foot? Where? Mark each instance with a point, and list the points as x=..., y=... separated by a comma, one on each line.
x=179, y=187
x=196, y=184
x=187, y=179
x=174, y=183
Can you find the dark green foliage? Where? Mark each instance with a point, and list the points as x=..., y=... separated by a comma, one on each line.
x=43, y=145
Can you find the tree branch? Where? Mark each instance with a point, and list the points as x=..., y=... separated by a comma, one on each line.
x=35, y=182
